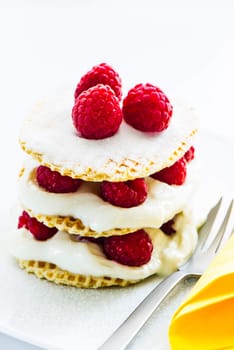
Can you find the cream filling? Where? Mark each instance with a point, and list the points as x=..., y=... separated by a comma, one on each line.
x=169, y=252
x=87, y=258
x=162, y=203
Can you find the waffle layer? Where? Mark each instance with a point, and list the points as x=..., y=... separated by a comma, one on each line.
x=76, y=227
x=127, y=169
x=49, y=136
x=53, y=273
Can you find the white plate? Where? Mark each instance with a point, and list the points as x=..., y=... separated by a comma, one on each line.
x=57, y=317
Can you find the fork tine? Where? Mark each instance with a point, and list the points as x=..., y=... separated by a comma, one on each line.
x=205, y=230
x=224, y=231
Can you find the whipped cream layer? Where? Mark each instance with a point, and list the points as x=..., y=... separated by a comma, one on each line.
x=87, y=258
x=49, y=133
x=162, y=203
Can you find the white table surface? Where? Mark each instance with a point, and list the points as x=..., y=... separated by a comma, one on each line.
x=185, y=47
x=10, y=343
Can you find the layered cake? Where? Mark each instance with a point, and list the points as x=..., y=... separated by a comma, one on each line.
x=107, y=186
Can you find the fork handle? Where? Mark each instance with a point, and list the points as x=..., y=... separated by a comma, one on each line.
x=129, y=328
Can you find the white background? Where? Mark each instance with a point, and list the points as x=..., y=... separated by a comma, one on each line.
x=184, y=47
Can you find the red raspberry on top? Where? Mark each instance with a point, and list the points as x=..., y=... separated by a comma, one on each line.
x=189, y=155
x=100, y=74
x=97, y=113
x=54, y=182
x=173, y=175
x=147, y=108
x=40, y=231
x=132, y=249
x=125, y=194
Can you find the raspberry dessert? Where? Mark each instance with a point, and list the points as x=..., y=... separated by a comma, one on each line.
x=147, y=108
x=125, y=194
x=97, y=113
x=106, y=189
x=100, y=74
x=40, y=231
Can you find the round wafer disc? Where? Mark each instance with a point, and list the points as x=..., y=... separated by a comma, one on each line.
x=53, y=273
x=49, y=136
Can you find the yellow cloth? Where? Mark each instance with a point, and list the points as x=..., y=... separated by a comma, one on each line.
x=205, y=320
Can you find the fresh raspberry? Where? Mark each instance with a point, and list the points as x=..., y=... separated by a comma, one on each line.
x=173, y=175
x=54, y=182
x=132, y=249
x=125, y=194
x=168, y=228
x=23, y=220
x=189, y=155
x=147, y=108
x=39, y=230
x=97, y=113
x=100, y=74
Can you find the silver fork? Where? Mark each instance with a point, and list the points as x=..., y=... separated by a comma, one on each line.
x=210, y=240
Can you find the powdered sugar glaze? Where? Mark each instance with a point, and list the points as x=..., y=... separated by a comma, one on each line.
x=49, y=131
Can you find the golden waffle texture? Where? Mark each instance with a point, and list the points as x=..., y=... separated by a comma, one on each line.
x=54, y=274
x=126, y=169
x=76, y=227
